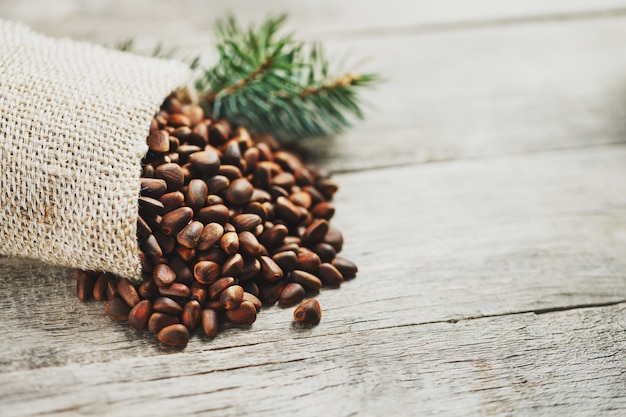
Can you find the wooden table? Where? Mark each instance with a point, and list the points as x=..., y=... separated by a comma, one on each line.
x=484, y=200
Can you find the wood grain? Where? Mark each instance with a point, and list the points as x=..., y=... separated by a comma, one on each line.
x=491, y=282
x=563, y=363
x=106, y=21
x=487, y=92
x=476, y=91
x=435, y=243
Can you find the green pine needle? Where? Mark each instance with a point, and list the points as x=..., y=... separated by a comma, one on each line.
x=272, y=83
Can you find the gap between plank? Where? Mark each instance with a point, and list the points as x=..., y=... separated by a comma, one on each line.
x=538, y=311
x=477, y=157
x=461, y=25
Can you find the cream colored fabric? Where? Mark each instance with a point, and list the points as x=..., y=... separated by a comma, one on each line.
x=73, y=123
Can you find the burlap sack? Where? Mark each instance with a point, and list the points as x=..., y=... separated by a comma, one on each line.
x=73, y=124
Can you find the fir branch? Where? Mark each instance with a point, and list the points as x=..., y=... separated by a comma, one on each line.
x=270, y=84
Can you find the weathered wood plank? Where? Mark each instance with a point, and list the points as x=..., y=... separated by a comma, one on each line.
x=467, y=93
x=530, y=232
x=111, y=19
x=565, y=363
x=434, y=243
x=487, y=92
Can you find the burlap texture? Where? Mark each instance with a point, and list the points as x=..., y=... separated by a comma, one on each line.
x=73, y=123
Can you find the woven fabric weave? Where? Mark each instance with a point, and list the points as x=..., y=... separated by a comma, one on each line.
x=73, y=124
